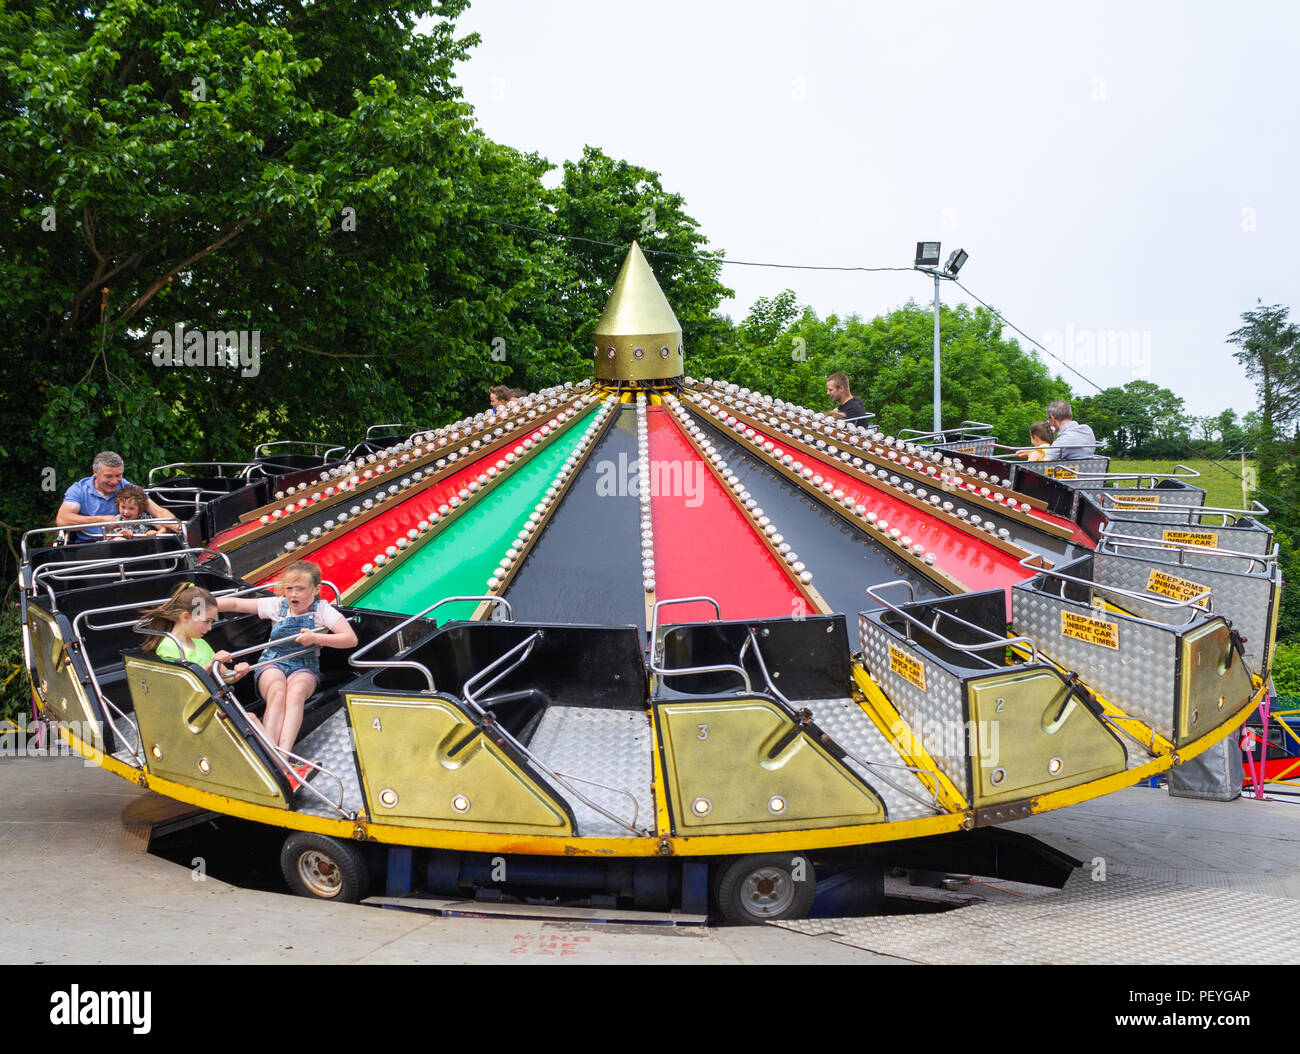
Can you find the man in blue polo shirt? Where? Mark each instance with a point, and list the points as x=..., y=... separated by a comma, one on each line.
x=93, y=500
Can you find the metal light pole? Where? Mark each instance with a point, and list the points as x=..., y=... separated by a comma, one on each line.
x=927, y=262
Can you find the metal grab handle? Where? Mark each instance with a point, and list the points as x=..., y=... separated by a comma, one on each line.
x=313, y=444
x=656, y=652
x=68, y=529
x=1190, y=473
x=1192, y=604
x=965, y=426
x=1256, y=509
x=353, y=659
x=83, y=617
x=243, y=466
x=470, y=686
x=752, y=640
x=654, y=616
x=995, y=640
x=1133, y=541
x=57, y=571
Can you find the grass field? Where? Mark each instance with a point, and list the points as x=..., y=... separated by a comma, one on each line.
x=1222, y=487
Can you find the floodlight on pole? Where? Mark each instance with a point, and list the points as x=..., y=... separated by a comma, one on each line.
x=927, y=261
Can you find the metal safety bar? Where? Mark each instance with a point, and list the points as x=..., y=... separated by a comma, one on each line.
x=1192, y=605
x=656, y=651
x=995, y=640
x=58, y=572
x=22, y=542
x=965, y=426
x=1190, y=473
x=314, y=445
x=470, y=687
x=468, y=692
x=1256, y=509
x=243, y=467
x=373, y=428
x=109, y=530
x=393, y=663
x=1134, y=541
x=752, y=641
x=163, y=489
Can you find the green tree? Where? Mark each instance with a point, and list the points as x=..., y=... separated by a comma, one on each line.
x=1269, y=347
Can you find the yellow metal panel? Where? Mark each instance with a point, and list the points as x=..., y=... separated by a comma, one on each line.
x=1214, y=685
x=185, y=736
x=416, y=771
x=738, y=766
x=1026, y=739
x=63, y=697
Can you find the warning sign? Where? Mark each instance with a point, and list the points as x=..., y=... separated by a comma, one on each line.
x=1175, y=588
x=1208, y=538
x=1093, y=630
x=1059, y=472
x=1136, y=501
x=906, y=667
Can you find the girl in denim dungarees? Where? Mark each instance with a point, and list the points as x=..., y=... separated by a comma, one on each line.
x=289, y=682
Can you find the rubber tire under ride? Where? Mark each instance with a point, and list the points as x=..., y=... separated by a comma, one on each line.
x=325, y=868
x=763, y=887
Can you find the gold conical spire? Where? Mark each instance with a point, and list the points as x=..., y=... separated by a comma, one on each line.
x=638, y=338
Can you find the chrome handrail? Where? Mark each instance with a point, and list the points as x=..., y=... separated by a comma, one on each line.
x=995, y=640
x=395, y=424
x=656, y=650
x=107, y=529
x=752, y=640
x=394, y=663
x=58, y=572
x=1256, y=509
x=965, y=426
x=22, y=542
x=470, y=687
x=315, y=445
x=1192, y=604
x=654, y=615
x=243, y=466
x=1190, y=473
x=1133, y=541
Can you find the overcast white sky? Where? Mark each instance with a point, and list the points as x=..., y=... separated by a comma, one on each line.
x=1123, y=175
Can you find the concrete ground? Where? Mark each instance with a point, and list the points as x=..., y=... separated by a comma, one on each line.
x=78, y=887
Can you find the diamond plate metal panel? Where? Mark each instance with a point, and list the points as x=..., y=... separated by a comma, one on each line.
x=331, y=745
x=1153, y=551
x=1245, y=599
x=606, y=747
x=1084, y=466
x=940, y=707
x=1138, y=678
x=129, y=737
x=1254, y=540
x=849, y=726
x=1126, y=919
x=1192, y=496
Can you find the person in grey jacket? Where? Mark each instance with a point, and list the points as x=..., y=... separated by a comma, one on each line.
x=1073, y=440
